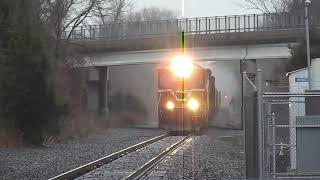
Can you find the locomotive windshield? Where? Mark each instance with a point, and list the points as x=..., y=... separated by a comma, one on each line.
x=168, y=81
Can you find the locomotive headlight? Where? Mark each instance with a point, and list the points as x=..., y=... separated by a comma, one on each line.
x=170, y=105
x=193, y=104
x=181, y=66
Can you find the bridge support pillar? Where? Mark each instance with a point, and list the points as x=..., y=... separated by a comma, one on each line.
x=102, y=100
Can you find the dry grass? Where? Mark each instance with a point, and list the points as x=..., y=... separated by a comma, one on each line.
x=80, y=124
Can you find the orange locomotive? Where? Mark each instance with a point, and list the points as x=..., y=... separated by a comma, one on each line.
x=186, y=103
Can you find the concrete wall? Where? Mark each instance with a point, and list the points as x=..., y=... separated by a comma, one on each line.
x=140, y=81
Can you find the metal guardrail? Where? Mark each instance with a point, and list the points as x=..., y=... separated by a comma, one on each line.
x=201, y=25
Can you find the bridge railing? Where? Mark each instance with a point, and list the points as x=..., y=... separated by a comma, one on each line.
x=202, y=25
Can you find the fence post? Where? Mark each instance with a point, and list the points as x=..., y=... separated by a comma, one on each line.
x=239, y=23
x=215, y=23
x=196, y=26
x=81, y=33
x=229, y=22
x=186, y=30
x=244, y=23
x=283, y=20
x=206, y=25
x=268, y=138
x=235, y=23
x=257, y=22
x=273, y=145
x=219, y=25
x=249, y=24
x=225, y=24
x=259, y=89
x=177, y=25
x=254, y=22
x=199, y=26
x=209, y=25
x=121, y=30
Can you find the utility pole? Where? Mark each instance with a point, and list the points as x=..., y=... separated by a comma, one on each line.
x=307, y=4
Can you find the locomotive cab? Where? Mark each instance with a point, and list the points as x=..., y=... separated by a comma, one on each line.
x=183, y=103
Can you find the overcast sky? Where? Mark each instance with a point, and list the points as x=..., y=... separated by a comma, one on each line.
x=198, y=8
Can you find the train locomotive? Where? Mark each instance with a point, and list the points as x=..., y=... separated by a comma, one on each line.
x=187, y=96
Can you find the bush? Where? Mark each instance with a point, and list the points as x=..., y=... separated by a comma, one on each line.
x=27, y=95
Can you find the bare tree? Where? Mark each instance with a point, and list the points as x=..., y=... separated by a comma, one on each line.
x=276, y=6
x=152, y=14
x=62, y=15
x=110, y=11
x=267, y=6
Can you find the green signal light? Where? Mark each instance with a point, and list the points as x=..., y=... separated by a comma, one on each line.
x=182, y=41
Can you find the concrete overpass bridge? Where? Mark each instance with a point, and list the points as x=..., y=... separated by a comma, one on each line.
x=200, y=32
x=253, y=40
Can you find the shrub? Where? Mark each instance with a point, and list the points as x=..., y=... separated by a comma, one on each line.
x=27, y=95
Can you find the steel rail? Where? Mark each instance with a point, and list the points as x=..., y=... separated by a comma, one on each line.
x=147, y=167
x=72, y=174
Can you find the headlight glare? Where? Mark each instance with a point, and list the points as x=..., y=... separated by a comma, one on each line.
x=181, y=66
x=193, y=104
x=170, y=105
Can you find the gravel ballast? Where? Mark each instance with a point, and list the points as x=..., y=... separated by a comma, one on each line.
x=218, y=154
x=123, y=167
x=51, y=160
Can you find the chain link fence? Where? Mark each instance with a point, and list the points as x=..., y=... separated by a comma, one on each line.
x=290, y=136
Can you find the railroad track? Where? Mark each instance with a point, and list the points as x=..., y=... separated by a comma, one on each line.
x=147, y=168
x=139, y=172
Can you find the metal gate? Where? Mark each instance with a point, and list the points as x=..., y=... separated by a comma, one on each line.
x=286, y=153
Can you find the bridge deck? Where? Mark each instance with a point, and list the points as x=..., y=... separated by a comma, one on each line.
x=191, y=26
x=170, y=41
x=222, y=53
x=200, y=32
